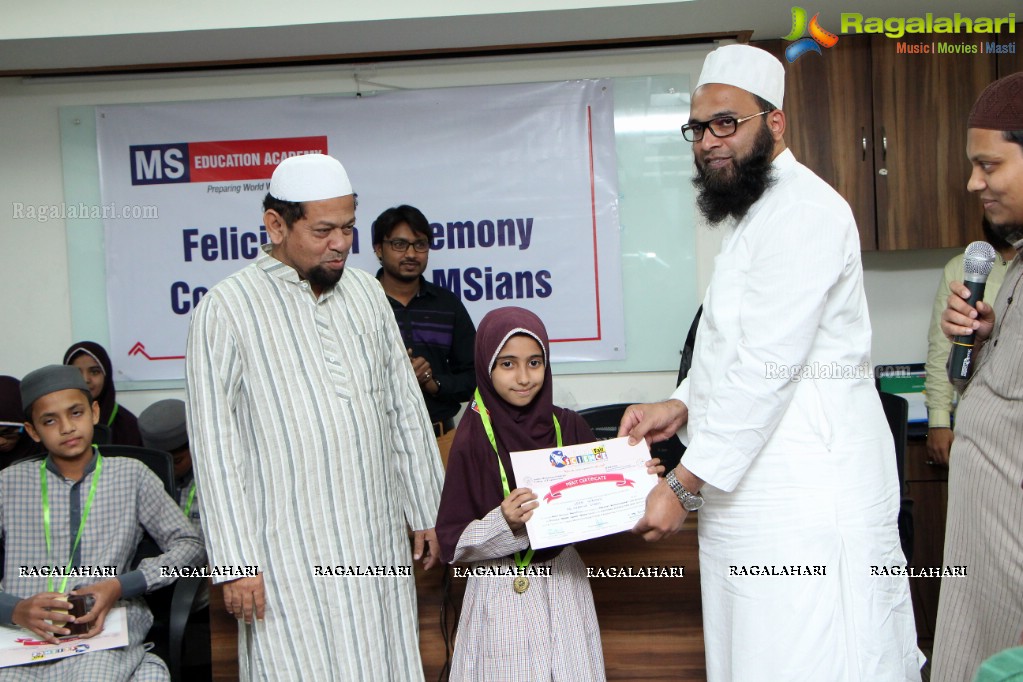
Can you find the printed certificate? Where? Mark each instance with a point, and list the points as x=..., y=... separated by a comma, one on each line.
x=18, y=646
x=585, y=491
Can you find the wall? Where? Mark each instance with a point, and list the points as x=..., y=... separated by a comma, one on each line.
x=37, y=320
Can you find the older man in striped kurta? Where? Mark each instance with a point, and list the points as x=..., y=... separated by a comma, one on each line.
x=312, y=447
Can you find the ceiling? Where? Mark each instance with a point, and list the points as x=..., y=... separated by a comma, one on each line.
x=466, y=33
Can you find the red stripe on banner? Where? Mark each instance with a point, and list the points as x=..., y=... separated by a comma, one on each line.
x=593, y=214
x=247, y=159
x=139, y=349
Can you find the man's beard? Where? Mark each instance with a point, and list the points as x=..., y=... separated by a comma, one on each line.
x=1010, y=233
x=730, y=191
x=323, y=279
x=397, y=274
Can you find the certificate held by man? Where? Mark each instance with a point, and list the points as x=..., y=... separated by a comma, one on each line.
x=584, y=491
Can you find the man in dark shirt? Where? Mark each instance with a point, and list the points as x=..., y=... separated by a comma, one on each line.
x=438, y=332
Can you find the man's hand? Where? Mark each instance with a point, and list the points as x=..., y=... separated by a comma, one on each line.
x=654, y=466
x=959, y=319
x=106, y=593
x=245, y=598
x=654, y=421
x=664, y=514
x=518, y=507
x=33, y=612
x=424, y=373
x=939, y=444
x=432, y=556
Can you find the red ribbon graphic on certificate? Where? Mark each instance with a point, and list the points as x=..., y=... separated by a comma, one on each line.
x=558, y=488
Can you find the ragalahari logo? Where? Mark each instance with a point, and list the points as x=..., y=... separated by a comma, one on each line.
x=819, y=37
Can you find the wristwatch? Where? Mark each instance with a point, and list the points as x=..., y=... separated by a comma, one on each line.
x=690, y=501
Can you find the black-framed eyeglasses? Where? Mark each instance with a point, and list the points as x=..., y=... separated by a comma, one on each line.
x=401, y=245
x=722, y=126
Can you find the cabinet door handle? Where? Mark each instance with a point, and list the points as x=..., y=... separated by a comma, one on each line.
x=884, y=145
x=863, y=136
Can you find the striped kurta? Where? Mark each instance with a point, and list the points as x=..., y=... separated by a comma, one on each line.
x=312, y=451
x=982, y=613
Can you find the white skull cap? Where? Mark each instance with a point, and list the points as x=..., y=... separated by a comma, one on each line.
x=309, y=177
x=750, y=68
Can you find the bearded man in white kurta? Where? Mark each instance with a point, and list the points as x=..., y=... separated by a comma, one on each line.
x=787, y=440
x=312, y=446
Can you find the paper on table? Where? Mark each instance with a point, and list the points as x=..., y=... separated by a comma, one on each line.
x=585, y=491
x=19, y=646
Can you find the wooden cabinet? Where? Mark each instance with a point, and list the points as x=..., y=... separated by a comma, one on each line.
x=829, y=123
x=888, y=131
x=1010, y=62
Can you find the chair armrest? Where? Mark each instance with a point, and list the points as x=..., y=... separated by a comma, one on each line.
x=185, y=591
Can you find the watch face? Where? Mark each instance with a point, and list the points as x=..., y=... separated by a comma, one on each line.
x=693, y=502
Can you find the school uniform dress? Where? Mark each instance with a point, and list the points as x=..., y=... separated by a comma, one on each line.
x=312, y=448
x=549, y=631
x=129, y=498
x=982, y=613
x=786, y=428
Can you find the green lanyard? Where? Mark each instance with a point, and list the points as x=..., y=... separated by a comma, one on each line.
x=81, y=523
x=191, y=499
x=489, y=428
x=113, y=415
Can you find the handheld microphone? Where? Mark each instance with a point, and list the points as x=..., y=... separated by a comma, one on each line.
x=977, y=264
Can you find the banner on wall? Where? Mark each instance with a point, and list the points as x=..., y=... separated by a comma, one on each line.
x=519, y=183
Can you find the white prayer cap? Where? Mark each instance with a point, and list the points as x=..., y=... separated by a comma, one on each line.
x=309, y=177
x=746, y=67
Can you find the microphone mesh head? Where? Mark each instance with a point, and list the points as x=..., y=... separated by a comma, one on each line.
x=979, y=259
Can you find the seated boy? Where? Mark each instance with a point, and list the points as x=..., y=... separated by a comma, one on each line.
x=76, y=508
x=162, y=426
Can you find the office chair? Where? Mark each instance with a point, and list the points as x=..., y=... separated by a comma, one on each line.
x=101, y=434
x=184, y=590
x=896, y=410
x=604, y=421
x=159, y=462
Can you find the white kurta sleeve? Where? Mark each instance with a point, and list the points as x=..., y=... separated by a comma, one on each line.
x=220, y=453
x=682, y=394
x=793, y=263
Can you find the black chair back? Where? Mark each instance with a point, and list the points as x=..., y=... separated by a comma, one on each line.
x=604, y=421
x=101, y=434
x=896, y=411
x=159, y=461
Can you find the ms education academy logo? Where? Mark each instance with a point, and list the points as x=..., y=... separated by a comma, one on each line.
x=158, y=164
x=819, y=37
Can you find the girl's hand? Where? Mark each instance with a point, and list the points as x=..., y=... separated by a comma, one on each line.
x=518, y=507
x=654, y=466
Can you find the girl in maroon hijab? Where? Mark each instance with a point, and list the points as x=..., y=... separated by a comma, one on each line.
x=540, y=627
x=94, y=363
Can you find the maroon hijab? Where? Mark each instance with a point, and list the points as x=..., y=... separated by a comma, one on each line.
x=124, y=428
x=472, y=484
